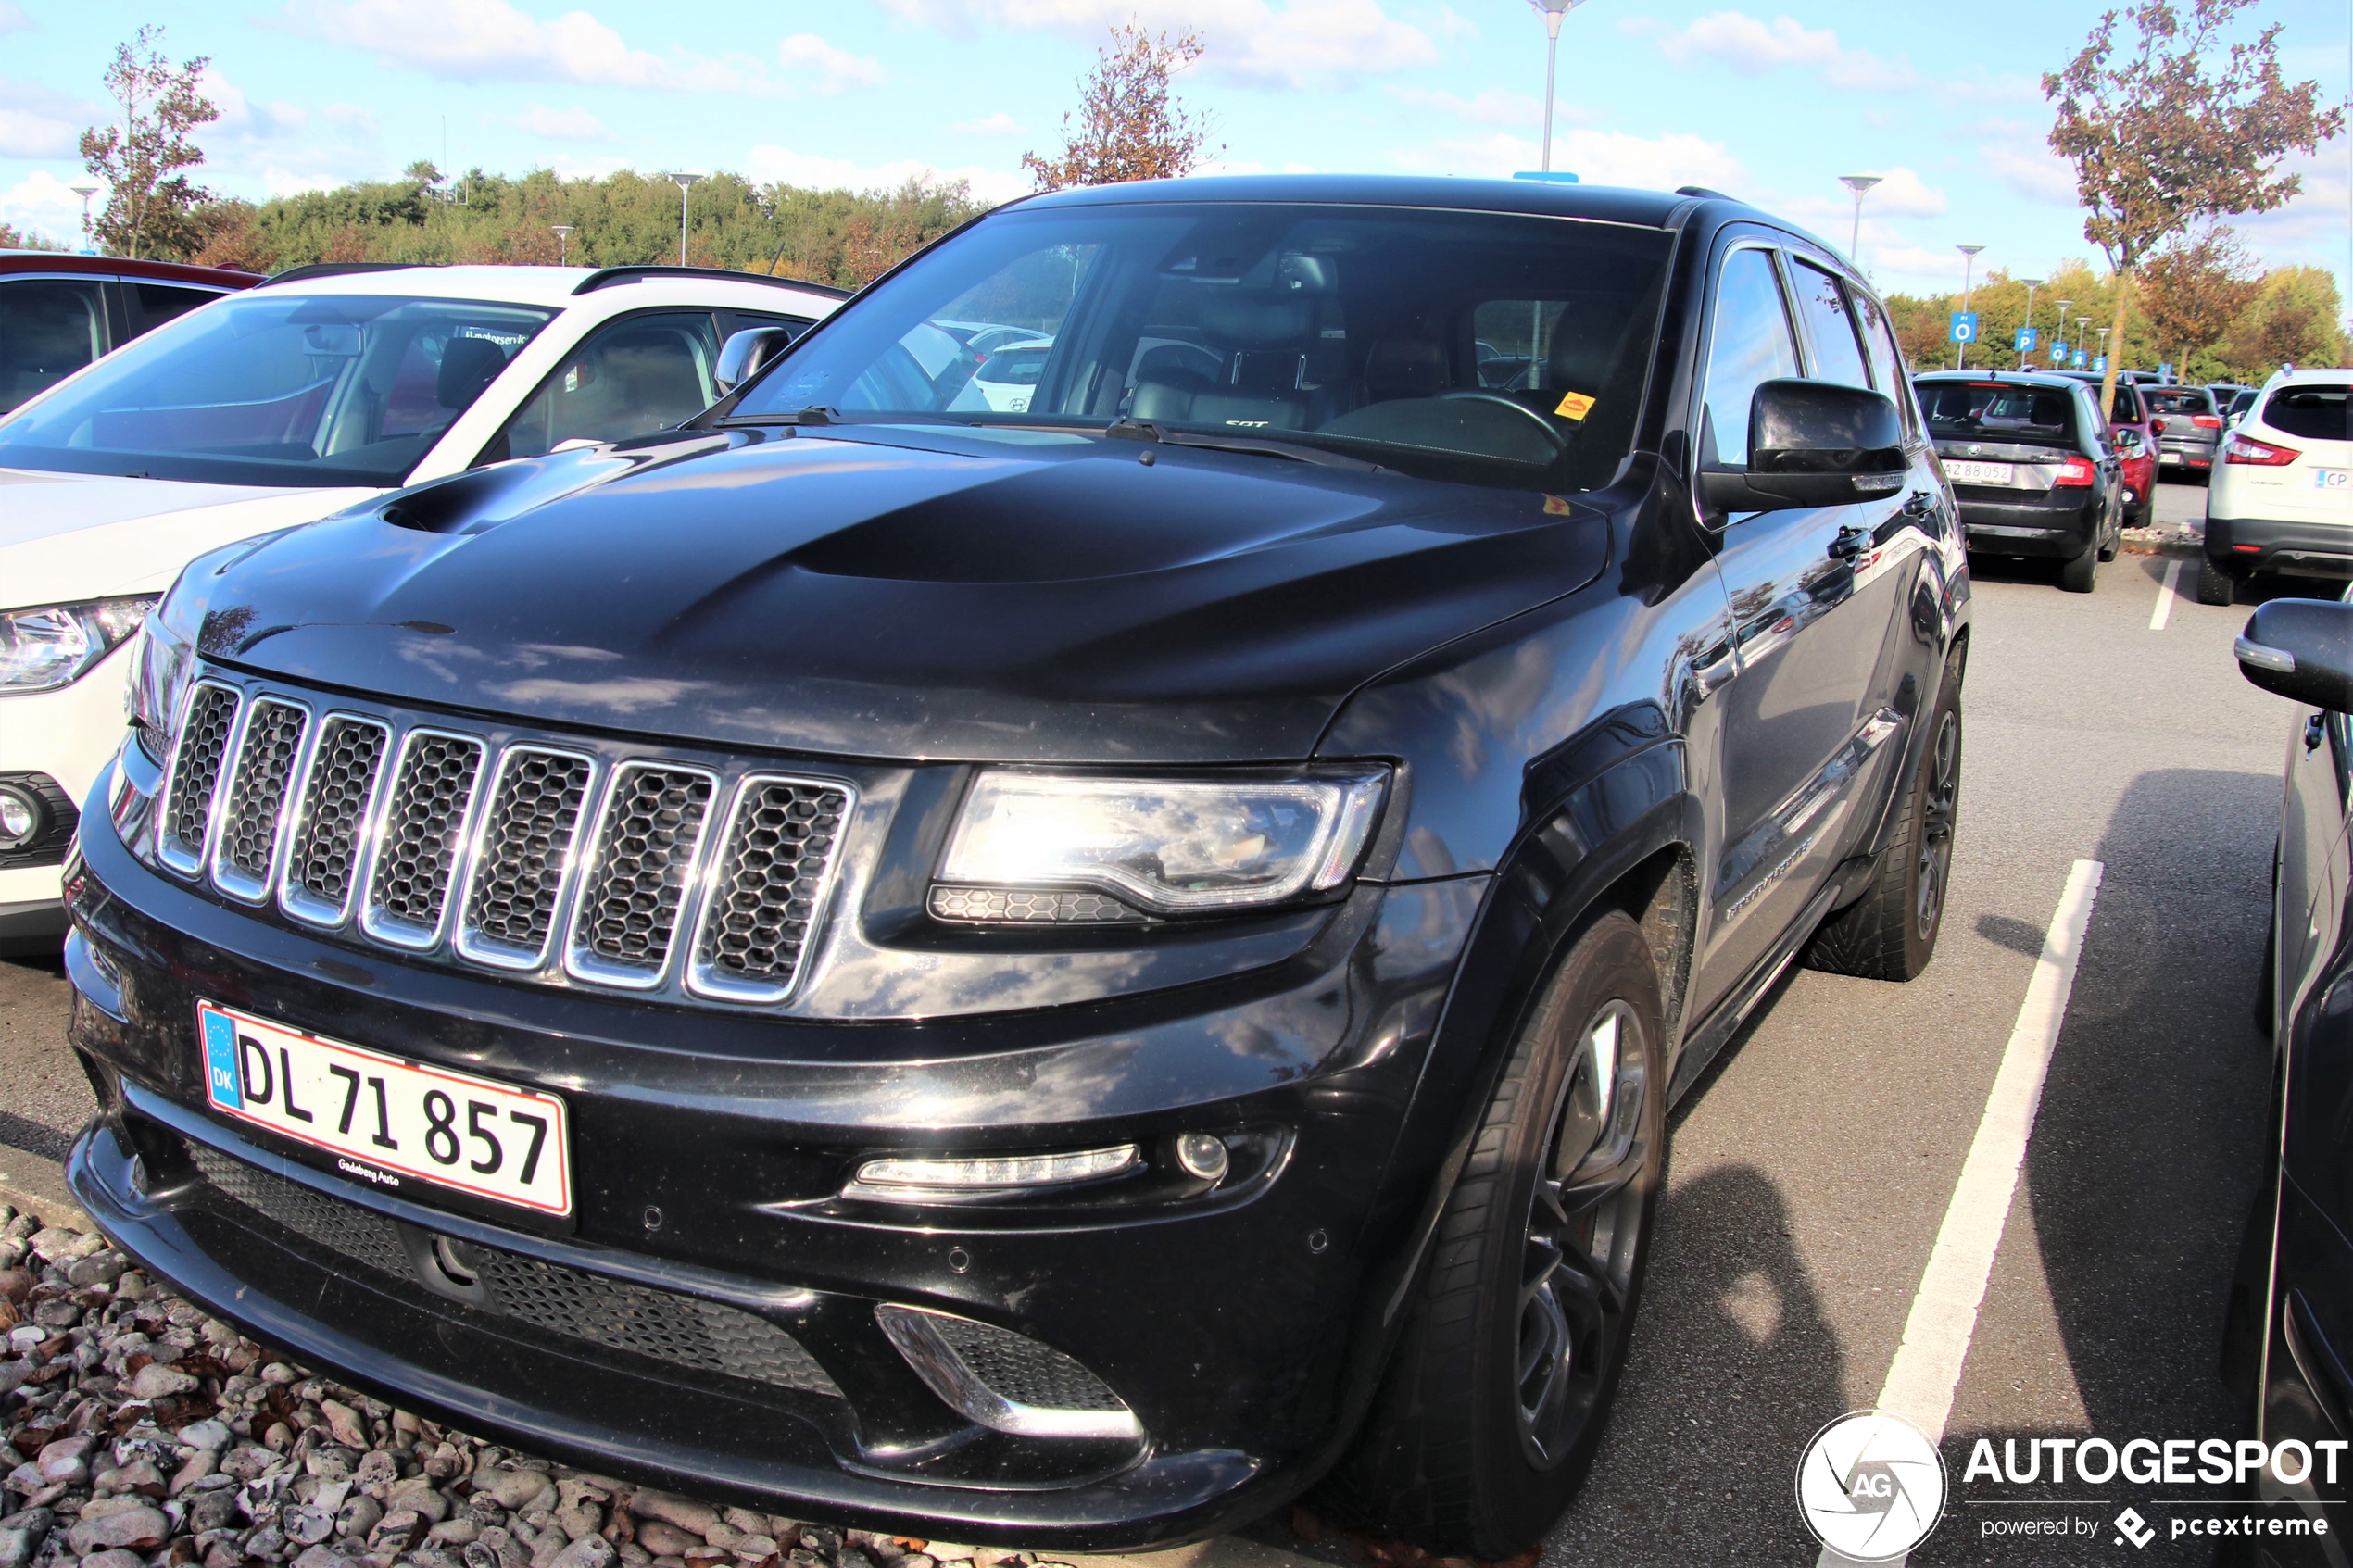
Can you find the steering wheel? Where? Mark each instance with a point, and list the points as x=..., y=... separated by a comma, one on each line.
x=1560, y=442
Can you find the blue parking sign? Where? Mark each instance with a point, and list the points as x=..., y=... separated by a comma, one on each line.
x=1964, y=326
x=2026, y=340
x=2099, y=361
x=2077, y=359
x=2058, y=350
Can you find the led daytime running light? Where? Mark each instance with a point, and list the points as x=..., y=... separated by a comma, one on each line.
x=995, y=1173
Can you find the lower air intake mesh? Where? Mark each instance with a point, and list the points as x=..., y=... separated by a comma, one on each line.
x=1022, y=1369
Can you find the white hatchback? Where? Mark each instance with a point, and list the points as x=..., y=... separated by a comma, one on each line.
x=280, y=405
x=2280, y=498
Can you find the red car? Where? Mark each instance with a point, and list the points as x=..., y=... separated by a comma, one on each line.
x=59, y=312
x=2134, y=426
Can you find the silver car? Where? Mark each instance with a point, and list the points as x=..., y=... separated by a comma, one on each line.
x=2188, y=426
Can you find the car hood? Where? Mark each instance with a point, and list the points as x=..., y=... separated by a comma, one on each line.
x=904, y=593
x=67, y=537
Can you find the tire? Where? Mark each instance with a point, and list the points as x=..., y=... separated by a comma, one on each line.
x=2214, y=587
x=1493, y=1404
x=2082, y=574
x=1890, y=933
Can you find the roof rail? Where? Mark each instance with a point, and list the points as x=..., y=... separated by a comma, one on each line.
x=606, y=277
x=336, y=269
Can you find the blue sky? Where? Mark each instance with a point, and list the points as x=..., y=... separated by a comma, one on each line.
x=1771, y=103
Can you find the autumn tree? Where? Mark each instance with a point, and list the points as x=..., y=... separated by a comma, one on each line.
x=151, y=205
x=2160, y=143
x=2193, y=290
x=1130, y=126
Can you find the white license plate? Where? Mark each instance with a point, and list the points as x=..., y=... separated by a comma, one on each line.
x=2333, y=478
x=388, y=1120
x=1978, y=473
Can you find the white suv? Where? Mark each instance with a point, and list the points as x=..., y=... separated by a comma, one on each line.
x=282, y=404
x=2280, y=495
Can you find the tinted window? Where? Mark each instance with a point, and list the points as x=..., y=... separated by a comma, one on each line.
x=1358, y=330
x=1837, y=355
x=154, y=304
x=1889, y=371
x=48, y=329
x=2127, y=406
x=2312, y=411
x=1994, y=410
x=1750, y=345
x=279, y=388
x=2182, y=400
x=632, y=378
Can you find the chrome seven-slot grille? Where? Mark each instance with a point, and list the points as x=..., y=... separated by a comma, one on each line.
x=526, y=857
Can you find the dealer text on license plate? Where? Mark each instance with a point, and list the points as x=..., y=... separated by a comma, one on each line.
x=385, y=1120
x=1978, y=473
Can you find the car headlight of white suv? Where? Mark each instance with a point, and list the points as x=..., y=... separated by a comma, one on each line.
x=52, y=646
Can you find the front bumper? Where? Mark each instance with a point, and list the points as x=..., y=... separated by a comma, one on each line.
x=2244, y=546
x=1239, y=1324
x=2036, y=526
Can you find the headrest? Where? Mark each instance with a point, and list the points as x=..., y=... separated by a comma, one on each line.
x=1405, y=367
x=1584, y=347
x=468, y=365
x=1248, y=318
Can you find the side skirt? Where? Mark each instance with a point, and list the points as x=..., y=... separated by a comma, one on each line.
x=1703, y=1040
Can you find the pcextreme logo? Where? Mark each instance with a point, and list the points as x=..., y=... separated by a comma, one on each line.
x=1871, y=1485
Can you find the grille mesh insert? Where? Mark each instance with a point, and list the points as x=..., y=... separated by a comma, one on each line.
x=1039, y=906
x=265, y=769
x=1020, y=1369
x=359, y=1234
x=652, y=831
x=533, y=822
x=765, y=894
x=343, y=774
x=428, y=801
x=204, y=741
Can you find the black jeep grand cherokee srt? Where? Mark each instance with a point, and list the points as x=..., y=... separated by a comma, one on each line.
x=1056, y=973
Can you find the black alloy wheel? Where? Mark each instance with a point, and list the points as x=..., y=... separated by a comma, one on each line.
x=1940, y=803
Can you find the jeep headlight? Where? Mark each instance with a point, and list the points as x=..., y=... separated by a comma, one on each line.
x=52, y=646
x=1167, y=846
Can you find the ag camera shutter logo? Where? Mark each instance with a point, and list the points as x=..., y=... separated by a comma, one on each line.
x=1871, y=1485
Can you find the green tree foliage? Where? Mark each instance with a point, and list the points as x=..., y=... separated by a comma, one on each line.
x=14, y=238
x=621, y=220
x=151, y=204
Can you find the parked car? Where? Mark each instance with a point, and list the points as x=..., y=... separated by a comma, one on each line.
x=2225, y=392
x=2290, y=1337
x=2241, y=402
x=2189, y=426
x=2132, y=429
x=2031, y=465
x=2282, y=498
x=278, y=405
x=59, y=312
x=1009, y=374
x=1048, y=976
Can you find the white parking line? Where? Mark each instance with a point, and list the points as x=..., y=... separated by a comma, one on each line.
x=1927, y=1368
x=2164, y=609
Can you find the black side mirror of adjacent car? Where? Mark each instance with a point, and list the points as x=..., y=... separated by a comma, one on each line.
x=746, y=353
x=2302, y=649
x=1812, y=443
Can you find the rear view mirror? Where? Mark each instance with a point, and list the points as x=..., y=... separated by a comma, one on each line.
x=746, y=354
x=2301, y=649
x=1812, y=443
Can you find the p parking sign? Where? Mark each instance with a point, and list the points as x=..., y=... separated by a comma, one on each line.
x=2026, y=340
x=1964, y=326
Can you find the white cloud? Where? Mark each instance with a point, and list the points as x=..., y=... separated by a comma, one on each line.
x=493, y=41
x=998, y=124
x=1753, y=46
x=1599, y=157
x=2031, y=170
x=1900, y=193
x=12, y=18
x=806, y=55
x=37, y=122
x=1491, y=105
x=2310, y=230
x=812, y=172
x=41, y=204
x=562, y=125
x=1292, y=45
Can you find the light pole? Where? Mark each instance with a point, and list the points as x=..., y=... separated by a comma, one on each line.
x=2031, y=285
x=2051, y=359
x=2103, y=343
x=2081, y=323
x=85, y=192
x=1554, y=12
x=685, y=182
x=1969, y=274
x=1859, y=184
x=563, y=243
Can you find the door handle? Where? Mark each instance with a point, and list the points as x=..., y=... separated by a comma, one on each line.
x=1919, y=503
x=1849, y=542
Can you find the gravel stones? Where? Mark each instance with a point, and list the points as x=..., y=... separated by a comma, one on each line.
x=136, y=1528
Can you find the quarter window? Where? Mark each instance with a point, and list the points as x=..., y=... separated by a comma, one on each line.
x=1822, y=301
x=1751, y=345
x=154, y=304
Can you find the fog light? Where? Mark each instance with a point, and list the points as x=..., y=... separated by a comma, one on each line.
x=22, y=817
x=1203, y=1155
x=908, y=1177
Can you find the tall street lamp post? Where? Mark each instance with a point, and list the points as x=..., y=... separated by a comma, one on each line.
x=1859, y=184
x=685, y=184
x=1555, y=11
x=2051, y=361
x=1969, y=274
x=563, y=243
x=85, y=192
x=2103, y=343
x=2031, y=285
x=2081, y=323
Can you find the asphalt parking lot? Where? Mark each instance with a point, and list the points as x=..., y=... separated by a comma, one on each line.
x=1812, y=1170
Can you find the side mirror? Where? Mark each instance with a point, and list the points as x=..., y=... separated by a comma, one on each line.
x=745, y=353
x=1812, y=443
x=2301, y=649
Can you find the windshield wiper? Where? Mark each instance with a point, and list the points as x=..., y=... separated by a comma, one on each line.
x=1264, y=447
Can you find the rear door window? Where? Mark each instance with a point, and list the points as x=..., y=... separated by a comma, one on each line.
x=154, y=304
x=49, y=328
x=635, y=376
x=1750, y=345
x=1821, y=300
x=2314, y=411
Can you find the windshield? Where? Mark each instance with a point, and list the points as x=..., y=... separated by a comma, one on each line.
x=1482, y=347
x=268, y=388
x=2040, y=415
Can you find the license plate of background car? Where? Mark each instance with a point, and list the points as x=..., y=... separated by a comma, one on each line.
x=2332, y=479
x=388, y=1120
x=1979, y=473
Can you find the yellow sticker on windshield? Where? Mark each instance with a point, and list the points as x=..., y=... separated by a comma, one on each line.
x=1555, y=506
x=1574, y=405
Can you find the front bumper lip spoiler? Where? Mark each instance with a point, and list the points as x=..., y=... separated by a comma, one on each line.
x=1162, y=1500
